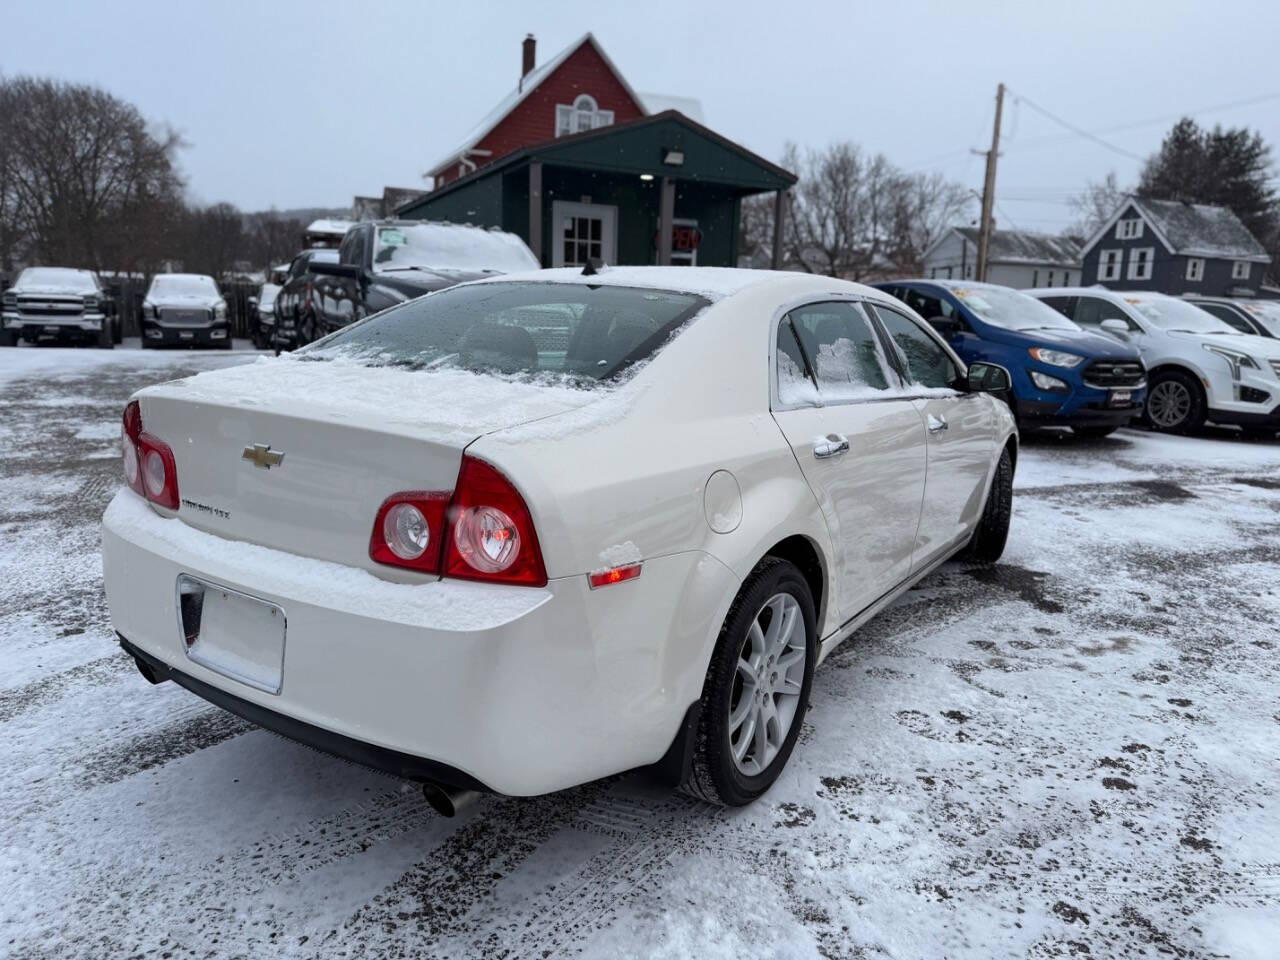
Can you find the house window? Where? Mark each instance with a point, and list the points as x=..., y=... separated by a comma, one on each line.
x=1129, y=229
x=582, y=114
x=933, y=273
x=1035, y=278
x=1240, y=270
x=1066, y=278
x=1140, y=262
x=948, y=273
x=1109, y=265
x=1050, y=283
x=1195, y=268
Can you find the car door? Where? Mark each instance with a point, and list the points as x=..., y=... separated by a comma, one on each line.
x=859, y=444
x=960, y=436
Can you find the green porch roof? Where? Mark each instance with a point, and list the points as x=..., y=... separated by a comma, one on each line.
x=639, y=146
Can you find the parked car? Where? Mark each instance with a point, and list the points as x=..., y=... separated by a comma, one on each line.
x=1258, y=317
x=449, y=544
x=58, y=304
x=1062, y=375
x=296, y=306
x=264, y=315
x=1200, y=369
x=185, y=309
x=387, y=262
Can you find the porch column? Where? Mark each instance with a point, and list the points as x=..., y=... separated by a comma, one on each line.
x=779, y=218
x=535, y=209
x=666, y=217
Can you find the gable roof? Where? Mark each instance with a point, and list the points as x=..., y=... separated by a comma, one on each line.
x=528, y=83
x=1020, y=246
x=1191, y=229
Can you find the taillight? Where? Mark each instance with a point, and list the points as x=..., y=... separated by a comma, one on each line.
x=149, y=467
x=409, y=531
x=483, y=531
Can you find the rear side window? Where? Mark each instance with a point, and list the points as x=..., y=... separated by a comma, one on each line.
x=928, y=305
x=926, y=363
x=1227, y=315
x=841, y=349
x=1061, y=304
x=523, y=329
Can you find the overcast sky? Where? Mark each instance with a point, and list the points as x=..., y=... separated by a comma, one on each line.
x=291, y=104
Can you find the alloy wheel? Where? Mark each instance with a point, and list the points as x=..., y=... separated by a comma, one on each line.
x=767, y=684
x=1169, y=403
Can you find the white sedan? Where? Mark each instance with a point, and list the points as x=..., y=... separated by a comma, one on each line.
x=531, y=531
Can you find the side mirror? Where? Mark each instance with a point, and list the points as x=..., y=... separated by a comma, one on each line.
x=348, y=270
x=1118, y=327
x=253, y=301
x=988, y=378
x=947, y=326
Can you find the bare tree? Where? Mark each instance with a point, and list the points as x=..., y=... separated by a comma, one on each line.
x=84, y=181
x=923, y=206
x=1095, y=204
x=271, y=238
x=755, y=232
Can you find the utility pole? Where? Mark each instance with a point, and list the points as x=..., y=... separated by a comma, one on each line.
x=989, y=190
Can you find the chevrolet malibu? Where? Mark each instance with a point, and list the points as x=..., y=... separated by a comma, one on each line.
x=531, y=531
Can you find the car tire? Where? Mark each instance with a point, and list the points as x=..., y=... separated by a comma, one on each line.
x=8, y=338
x=987, y=543
x=775, y=593
x=1175, y=403
x=1093, y=433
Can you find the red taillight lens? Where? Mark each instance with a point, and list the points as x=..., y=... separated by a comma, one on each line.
x=149, y=468
x=492, y=536
x=482, y=531
x=159, y=472
x=409, y=531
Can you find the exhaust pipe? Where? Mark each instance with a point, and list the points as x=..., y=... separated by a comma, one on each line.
x=448, y=801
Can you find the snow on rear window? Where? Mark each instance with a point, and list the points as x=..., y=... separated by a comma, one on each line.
x=550, y=331
x=450, y=246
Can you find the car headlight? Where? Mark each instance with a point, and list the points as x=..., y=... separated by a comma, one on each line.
x=1046, y=382
x=149, y=309
x=220, y=311
x=1055, y=358
x=1235, y=358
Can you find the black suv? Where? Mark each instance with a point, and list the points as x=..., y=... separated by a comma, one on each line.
x=383, y=263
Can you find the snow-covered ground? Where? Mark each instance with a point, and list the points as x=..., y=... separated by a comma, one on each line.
x=1076, y=752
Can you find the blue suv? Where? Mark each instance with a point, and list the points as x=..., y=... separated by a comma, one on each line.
x=1062, y=375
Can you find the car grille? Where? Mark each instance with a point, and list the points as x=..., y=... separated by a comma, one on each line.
x=1102, y=373
x=186, y=317
x=53, y=307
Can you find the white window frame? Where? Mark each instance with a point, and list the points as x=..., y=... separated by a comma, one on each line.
x=1140, y=266
x=1130, y=229
x=1066, y=278
x=1240, y=269
x=1109, y=264
x=1195, y=269
x=583, y=114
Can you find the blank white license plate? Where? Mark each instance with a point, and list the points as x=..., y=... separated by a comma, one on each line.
x=186, y=334
x=1120, y=397
x=232, y=633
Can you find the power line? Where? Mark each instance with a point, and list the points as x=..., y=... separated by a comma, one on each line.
x=1074, y=129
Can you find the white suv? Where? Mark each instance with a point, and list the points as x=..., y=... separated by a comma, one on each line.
x=1199, y=368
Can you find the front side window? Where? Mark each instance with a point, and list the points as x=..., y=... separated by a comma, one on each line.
x=1228, y=316
x=582, y=114
x=926, y=362
x=1140, y=259
x=352, y=248
x=1091, y=311
x=840, y=349
x=928, y=305
x=1240, y=270
x=542, y=331
x=1108, y=265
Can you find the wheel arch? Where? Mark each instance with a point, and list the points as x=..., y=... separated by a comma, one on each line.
x=806, y=555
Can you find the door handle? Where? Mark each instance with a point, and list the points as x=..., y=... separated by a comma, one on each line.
x=937, y=424
x=832, y=445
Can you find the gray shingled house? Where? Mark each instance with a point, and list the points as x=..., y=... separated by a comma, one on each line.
x=1016, y=258
x=1175, y=248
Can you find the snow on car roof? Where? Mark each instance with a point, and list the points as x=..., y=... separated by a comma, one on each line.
x=714, y=283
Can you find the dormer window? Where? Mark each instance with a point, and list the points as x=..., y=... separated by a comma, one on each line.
x=1129, y=229
x=582, y=114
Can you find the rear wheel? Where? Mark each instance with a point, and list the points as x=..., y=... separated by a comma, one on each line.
x=757, y=687
x=1093, y=433
x=1175, y=403
x=993, y=529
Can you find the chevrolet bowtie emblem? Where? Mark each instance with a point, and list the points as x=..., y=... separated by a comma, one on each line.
x=261, y=455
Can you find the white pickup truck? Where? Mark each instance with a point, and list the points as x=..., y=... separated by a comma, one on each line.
x=58, y=303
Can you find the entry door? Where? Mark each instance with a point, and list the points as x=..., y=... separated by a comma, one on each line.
x=960, y=431
x=583, y=231
x=859, y=443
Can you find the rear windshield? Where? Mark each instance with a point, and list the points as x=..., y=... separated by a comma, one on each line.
x=1011, y=309
x=551, y=330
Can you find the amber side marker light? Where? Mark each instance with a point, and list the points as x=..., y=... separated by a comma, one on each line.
x=604, y=578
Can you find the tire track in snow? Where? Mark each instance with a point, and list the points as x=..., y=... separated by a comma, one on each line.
x=37, y=693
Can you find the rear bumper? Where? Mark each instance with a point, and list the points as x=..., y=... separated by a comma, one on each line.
x=519, y=690
x=216, y=334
